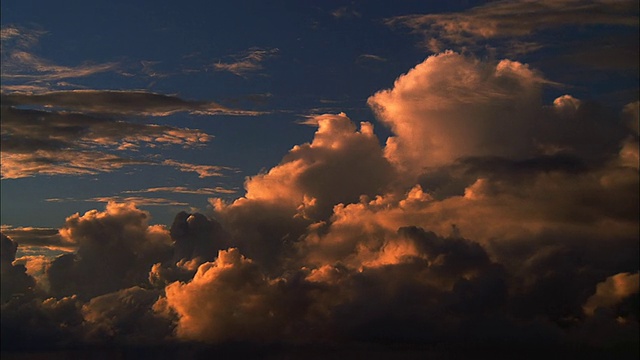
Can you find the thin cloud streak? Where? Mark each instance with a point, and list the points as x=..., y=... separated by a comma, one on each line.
x=185, y=190
x=247, y=62
x=514, y=19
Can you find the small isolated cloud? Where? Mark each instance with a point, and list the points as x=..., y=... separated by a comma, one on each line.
x=371, y=57
x=246, y=62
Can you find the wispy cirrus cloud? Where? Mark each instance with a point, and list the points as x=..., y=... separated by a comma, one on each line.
x=21, y=64
x=515, y=19
x=184, y=190
x=88, y=131
x=202, y=170
x=50, y=142
x=246, y=62
x=48, y=238
x=118, y=102
x=139, y=200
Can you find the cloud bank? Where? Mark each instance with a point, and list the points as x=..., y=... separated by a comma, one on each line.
x=489, y=218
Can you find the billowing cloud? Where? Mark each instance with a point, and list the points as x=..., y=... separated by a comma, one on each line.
x=116, y=249
x=125, y=317
x=489, y=217
x=451, y=106
x=228, y=299
x=15, y=281
x=340, y=165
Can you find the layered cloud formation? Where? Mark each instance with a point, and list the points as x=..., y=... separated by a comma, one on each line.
x=91, y=131
x=489, y=216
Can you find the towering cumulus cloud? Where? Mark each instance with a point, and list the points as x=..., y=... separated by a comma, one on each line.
x=451, y=106
x=488, y=218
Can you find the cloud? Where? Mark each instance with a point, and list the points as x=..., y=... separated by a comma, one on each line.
x=202, y=170
x=21, y=65
x=125, y=317
x=115, y=102
x=15, y=280
x=514, y=19
x=138, y=200
x=246, y=62
x=451, y=106
x=489, y=217
x=338, y=166
x=185, y=190
x=116, y=249
x=612, y=291
x=228, y=299
x=60, y=142
x=48, y=238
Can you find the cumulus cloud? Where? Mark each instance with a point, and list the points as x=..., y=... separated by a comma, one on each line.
x=116, y=249
x=15, y=280
x=451, y=106
x=338, y=166
x=125, y=317
x=489, y=217
x=228, y=299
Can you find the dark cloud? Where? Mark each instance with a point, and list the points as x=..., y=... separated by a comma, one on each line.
x=124, y=103
x=487, y=219
x=58, y=142
x=15, y=281
x=38, y=237
x=116, y=249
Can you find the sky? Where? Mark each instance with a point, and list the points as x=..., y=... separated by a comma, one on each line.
x=371, y=175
